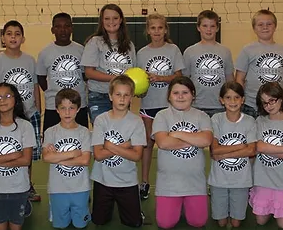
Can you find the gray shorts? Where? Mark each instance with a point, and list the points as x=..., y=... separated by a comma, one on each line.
x=14, y=210
x=229, y=202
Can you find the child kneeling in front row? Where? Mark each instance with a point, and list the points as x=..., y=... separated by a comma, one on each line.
x=118, y=138
x=67, y=148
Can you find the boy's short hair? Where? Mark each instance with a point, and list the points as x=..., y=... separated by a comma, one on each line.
x=209, y=14
x=13, y=23
x=61, y=15
x=69, y=94
x=264, y=12
x=122, y=80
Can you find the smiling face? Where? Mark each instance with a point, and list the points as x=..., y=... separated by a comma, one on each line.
x=111, y=22
x=156, y=30
x=271, y=105
x=232, y=101
x=208, y=29
x=264, y=27
x=7, y=100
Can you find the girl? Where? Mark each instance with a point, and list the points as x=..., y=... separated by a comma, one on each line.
x=108, y=53
x=17, y=139
x=266, y=197
x=163, y=61
x=234, y=141
x=181, y=132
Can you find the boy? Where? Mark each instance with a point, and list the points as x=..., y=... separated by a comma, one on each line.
x=260, y=61
x=58, y=67
x=18, y=68
x=118, y=138
x=67, y=148
x=208, y=64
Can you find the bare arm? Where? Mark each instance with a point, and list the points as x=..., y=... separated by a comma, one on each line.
x=248, y=151
x=92, y=73
x=37, y=97
x=240, y=77
x=199, y=139
x=22, y=161
x=10, y=157
x=42, y=81
x=167, y=142
x=217, y=149
x=133, y=154
x=50, y=154
x=167, y=79
x=269, y=149
x=82, y=160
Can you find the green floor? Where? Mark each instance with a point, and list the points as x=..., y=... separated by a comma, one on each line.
x=39, y=218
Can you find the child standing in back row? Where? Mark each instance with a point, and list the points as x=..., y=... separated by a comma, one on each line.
x=118, y=138
x=16, y=140
x=260, y=61
x=108, y=53
x=18, y=68
x=231, y=173
x=163, y=61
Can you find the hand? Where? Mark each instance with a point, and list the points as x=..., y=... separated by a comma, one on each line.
x=217, y=157
x=51, y=148
x=126, y=145
x=153, y=77
x=142, y=95
x=76, y=153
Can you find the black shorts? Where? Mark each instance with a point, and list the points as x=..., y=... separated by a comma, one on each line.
x=51, y=118
x=128, y=202
x=150, y=113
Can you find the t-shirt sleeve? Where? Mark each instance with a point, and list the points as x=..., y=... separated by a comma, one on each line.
x=258, y=128
x=159, y=124
x=133, y=55
x=28, y=135
x=187, y=61
x=179, y=60
x=139, y=137
x=86, y=141
x=215, y=126
x=48, y=137
x=252, y=132
x=204, y=122
x=242, y=62
x=41, y=69
x=98, y=132
x=91, y=53
x=229, y=66
x=33, y=68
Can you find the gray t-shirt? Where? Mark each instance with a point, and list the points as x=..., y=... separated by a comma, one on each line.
x=181, y=172
x=262, y=63
x=15, y=179
x=61, y=65
x=117, y=171
x=68, y=179
x=232, y=172
x=163, y=61
x=21, y=73
x=268, y=169
x=208, y=66
x=97, y=54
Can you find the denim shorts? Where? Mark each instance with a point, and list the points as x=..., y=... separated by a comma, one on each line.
x=98, y=103
x=14, y=207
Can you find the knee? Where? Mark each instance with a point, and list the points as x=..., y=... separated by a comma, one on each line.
x=197, y=222
x=165, y=223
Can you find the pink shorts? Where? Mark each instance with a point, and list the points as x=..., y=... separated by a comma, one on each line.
x=265, y=201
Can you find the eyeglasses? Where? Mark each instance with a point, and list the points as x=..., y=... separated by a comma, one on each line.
x=7, y=96
x=270, y=102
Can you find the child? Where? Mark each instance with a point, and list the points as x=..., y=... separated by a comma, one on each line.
x=163, y=62
x=118, y=138
x=18, y=68
x=58, y=67
x=108, y=53
x=267, y=194
x=208, y=64
x=67, y=148
x=181, y=132
x=260, y=61
x=234, y=141
x=16, y=140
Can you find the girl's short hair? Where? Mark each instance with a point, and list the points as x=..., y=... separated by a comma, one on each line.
x=182, y=80
x=121, y=80
x=272, y=89
x=235, y=86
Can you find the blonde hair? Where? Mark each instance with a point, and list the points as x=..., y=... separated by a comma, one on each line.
x=162, y=18
x=121, y=80
x=264, y=12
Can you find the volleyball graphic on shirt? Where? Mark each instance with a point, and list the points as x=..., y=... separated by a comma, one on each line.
x=66, y=148
x=22, y=79
x=271, y=63
x=210, y=64
x=67, y=66
x=269, y=160
x=117, y=63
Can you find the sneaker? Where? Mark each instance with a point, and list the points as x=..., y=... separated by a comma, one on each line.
x=28, y=209
x=144, y=190
x=33, y=195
